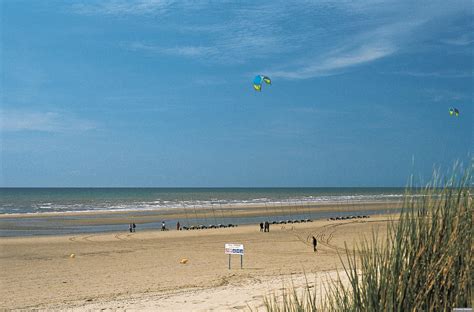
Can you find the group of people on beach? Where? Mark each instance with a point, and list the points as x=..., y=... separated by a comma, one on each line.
x=265, y=226
x=132, y=226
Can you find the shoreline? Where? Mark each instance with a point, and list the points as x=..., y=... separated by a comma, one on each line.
x=170, y=211
x=99, y=222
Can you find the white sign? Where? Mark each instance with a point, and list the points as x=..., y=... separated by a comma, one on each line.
x=234, y=249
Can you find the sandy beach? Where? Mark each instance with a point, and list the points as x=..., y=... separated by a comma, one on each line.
x=142, y=270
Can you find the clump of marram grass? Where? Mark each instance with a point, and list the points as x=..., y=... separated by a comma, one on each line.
x=424, y=264
x=291, y=301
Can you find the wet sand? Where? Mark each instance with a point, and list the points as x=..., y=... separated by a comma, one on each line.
x=100, y=221
x=142, y=270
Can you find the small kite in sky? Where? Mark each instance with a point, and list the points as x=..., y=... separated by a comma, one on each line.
x=258, y=80
x=454, y=112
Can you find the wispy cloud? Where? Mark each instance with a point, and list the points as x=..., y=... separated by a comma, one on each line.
x=362, y=48
x=246, y=34
x=324, y=37
x=120, y=7
x=188, y=51
x=437, y=95
x=17, y=120
x=463, y=40
x=337, y=62
x=436, y=74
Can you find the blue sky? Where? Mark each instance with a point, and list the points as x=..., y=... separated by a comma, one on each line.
x=158, y=93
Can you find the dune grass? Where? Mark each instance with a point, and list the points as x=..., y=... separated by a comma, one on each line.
x=424, y=264
x=292, y=301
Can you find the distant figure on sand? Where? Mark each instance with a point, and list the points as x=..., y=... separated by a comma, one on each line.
x=315, y=243
x=130, y=227
x=163, y=226
x=134, y=226
x=267, y=226
x=178, y=226
x=261, y=226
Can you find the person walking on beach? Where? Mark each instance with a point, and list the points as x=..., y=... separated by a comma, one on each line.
x=134, y=226
x=130, y=227
x=178, y=226
x=267, y=227
x=163, y=226
x=315, y=244
x=261, y=226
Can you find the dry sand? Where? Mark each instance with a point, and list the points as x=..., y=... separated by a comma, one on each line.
x=142, y=271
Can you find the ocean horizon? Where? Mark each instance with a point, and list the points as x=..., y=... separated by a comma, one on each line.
x=28, y=200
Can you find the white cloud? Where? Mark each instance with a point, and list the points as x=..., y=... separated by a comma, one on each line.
x=359, y=49
x=463, y=40
x=439, y=95
x=17, y=120
x=438, y=74
x=323, y=38
x=335, y=63
x=187, y=51
x=121, y=7
x=246, y=34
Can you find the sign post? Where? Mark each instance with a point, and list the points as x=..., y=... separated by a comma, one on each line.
x=235, y=249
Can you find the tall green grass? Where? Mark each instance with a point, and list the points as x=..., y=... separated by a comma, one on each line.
x=292, y=301
x=423, y=264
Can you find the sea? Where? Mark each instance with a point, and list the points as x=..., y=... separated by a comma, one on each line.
x=57, y=200
x=47, y=211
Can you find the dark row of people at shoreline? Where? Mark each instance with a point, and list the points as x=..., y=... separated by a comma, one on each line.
x=348, y=218
x=264, y=226
x=179, y=227
x=203, y=227
x=291, y=221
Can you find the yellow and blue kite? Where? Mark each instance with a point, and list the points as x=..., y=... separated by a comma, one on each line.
x=454, y=112
x=258, y=80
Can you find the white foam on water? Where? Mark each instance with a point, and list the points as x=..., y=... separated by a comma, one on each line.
x=157, y=204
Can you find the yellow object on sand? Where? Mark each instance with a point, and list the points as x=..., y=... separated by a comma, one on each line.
x=184, y=261
x=72, y=256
